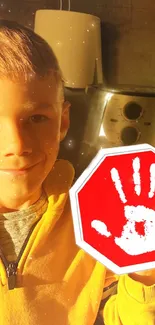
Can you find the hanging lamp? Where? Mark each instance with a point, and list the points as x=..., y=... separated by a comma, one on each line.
x=76, y=41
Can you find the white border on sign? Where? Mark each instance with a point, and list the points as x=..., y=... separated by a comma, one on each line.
x=73, y=193
x=109, y=264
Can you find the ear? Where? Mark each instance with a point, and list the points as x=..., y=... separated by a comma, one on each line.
x=65, y=121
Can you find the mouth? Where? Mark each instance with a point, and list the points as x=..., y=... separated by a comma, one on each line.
x=21, y=171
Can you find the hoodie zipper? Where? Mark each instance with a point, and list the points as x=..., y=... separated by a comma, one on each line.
x=11, y=267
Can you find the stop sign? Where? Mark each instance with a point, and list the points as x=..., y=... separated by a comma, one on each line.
x=113, y=208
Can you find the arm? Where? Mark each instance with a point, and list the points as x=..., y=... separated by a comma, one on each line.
x=134, y=303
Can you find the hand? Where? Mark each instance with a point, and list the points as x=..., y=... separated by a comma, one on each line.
x=130, y=240
x=146, y=277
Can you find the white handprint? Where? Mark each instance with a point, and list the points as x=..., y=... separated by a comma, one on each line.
x=100, y=227
x=130, y=241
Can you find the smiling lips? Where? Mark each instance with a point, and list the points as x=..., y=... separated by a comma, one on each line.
x=21, y=171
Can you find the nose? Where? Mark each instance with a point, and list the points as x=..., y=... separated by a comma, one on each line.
x=16, y=141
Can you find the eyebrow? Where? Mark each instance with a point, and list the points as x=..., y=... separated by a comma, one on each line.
x=29, y=105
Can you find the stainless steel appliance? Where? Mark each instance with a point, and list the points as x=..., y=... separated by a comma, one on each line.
x=107, y=117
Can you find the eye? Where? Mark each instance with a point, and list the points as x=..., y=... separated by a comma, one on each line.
x=38, y=118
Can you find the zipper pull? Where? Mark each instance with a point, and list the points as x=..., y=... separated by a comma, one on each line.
x=11, y=271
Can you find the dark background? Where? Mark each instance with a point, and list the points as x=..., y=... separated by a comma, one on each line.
x=128, y=33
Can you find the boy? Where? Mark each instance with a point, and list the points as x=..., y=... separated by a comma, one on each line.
x=44, y=277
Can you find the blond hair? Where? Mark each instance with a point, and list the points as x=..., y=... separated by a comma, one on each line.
x=24, y=54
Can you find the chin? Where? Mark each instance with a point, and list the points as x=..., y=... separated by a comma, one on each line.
x=19, y=201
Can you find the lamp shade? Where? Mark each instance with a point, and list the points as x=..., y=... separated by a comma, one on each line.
x=76, y=41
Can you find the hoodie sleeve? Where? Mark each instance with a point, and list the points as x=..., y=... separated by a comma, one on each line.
x=133, y=304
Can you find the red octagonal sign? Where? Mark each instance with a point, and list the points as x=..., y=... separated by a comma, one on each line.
x=113, y=208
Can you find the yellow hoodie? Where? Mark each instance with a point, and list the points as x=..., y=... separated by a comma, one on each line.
x=57, y=283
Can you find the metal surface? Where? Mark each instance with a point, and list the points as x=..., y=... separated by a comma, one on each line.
x=103, y=117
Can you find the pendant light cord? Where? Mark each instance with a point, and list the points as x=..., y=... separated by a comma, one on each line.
x=61, y=5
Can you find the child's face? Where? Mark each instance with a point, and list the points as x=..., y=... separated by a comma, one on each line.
x=33, y=121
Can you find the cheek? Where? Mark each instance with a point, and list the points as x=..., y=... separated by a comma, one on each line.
x=50, y=153
x=51, y=149
x=50, y=145
x=48, y=137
